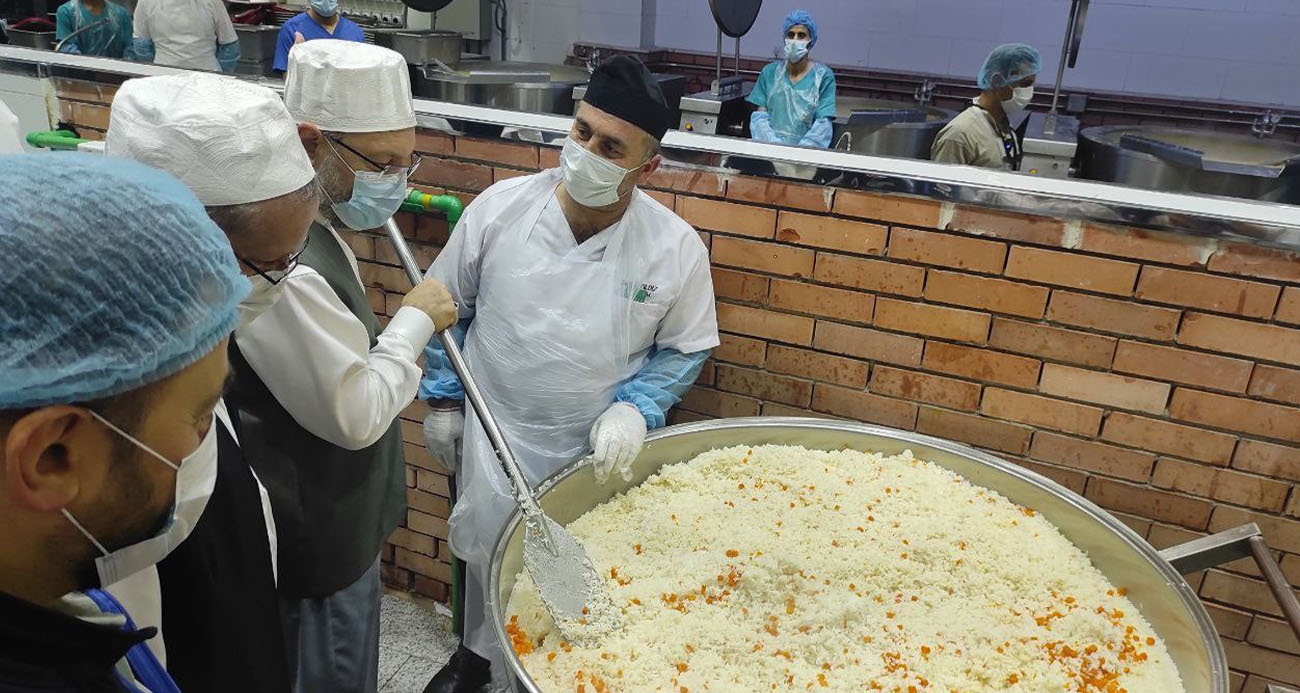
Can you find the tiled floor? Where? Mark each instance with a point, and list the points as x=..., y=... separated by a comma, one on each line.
x=414, y=642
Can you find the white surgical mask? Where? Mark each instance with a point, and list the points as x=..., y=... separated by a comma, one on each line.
x=591, y=180
x=261, y=298
x=1020, y=99
x=795, y=49
x=196, y=476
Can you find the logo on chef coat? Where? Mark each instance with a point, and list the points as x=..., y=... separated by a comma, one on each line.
x=638, y=293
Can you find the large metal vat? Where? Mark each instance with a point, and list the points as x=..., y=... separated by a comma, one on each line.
x=257, y=41
x=529, y=87
x=1194, y=161
x=909, y=140
x=1163, y=596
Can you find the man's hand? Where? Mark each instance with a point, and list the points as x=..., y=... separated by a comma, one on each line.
x=443, y=427
x=616, y=440
x=432, y=297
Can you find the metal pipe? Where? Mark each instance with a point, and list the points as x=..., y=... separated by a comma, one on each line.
x=1277, y=582
x=1049, y=125
x=717, y=84
x=736, y=70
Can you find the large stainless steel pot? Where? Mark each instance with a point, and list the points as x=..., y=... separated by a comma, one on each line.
x=257, y=41
x=1163, y=596
x=1195, y=161
x=529, y=87
x=909, y=140
x=43, y=40
x=425, y=47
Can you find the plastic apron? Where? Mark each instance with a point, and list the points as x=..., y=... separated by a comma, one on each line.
x=549, y=346
x=793, y=106
x=185, y=34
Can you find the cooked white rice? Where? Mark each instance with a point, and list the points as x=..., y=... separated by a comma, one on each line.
x=783, y=568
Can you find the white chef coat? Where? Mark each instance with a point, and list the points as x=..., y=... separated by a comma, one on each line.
x=185, y=33
x=315, y=358
x=11, y=132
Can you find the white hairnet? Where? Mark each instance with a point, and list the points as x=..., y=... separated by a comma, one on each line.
x=344, y=86
x=230, y=141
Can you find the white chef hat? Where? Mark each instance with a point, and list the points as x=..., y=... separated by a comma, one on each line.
x=230, y=141
x=345, y=86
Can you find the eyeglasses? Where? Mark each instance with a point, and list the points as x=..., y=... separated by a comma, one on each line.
x=275, y=275
x=391, y=169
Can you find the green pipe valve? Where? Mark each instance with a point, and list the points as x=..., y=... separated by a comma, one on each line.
x=418, y=202
x=55, y=139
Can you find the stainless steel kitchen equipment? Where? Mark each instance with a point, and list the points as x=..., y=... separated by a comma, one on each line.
x=531, y=87
x=1052, y=139
x=1154, y=585
x=1195, y=161
x=902, y=129
x=257, y=41
x=722, y=109
x=427, y=47
x=28, y=38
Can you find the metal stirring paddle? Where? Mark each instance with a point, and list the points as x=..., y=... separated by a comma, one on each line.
x=573, y=592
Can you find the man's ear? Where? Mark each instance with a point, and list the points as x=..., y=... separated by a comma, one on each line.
x=41, y=457
x=653, y=165
x=312, y=138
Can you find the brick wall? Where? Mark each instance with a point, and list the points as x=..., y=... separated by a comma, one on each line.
x=1156, y=374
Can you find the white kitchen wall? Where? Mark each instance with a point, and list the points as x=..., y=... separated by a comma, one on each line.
x=1239, y=50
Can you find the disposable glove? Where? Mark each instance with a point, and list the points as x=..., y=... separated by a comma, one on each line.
x=443, y=429
x=616, y=440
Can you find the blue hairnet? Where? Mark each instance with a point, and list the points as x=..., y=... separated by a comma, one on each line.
x=1008, y=64
x=801, y=17
x=116, y=279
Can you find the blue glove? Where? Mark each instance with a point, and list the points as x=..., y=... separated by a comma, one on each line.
x=760, y=128
x=661, y=383
x=819, y=135
x=142, y=50
x=228, y=55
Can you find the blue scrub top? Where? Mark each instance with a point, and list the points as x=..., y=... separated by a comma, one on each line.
x=110, y=39
x=345, y=30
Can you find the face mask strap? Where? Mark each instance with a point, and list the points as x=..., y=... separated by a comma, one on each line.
x=137, y=443
x=83, y=531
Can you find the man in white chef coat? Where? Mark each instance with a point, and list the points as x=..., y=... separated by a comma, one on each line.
x=318, y=386
x=588, y=310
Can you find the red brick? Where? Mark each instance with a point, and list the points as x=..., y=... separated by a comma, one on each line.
x=391, y=575
x=497, y=152
x=742, y=350
x=686, y=180
x=895, y=209
x=1291, y=566
x=1053, y=343
x=412, y=432
x=422, y=565
x=1238, y=591
x=831, y=233
x=1041, y=411
x=436, y=590
x=500, y=174
x=766, y=191
x=765, y=386
x=91, y=116
x=1273, y=634
x=433, y=143
x=740, y=286
x=995, y=295
x=418, y=456
x=1071, y=270
x=817, y=366
x=822, y=301
x=864, y=406
x=706, y=376
x=1208, y=292
x=411, y=541
x=719, y=404
x=376, y=298
x=1008, y=226
x=1140, y=525
x=1119, y=391
x=1267, y=342
x=425, y=523
x=728, y=217
x=774, y=409
x=1277, y=384
x=1282, y=534
x=772, y=258
x=454, y=174
x=428, y=503
x=1148, y=502
x=432, y=482
x=1230, y=623
x=1091, y=456
x=871, y=275
x=981, y=364
x=1182, y=366
x=933, y=321
x=923, y=387
x=975, y=430
x=1280, y=461
x=1233, y=414
x=1140, y=244
x=362, y=244
x=682, y=416
x=1069, y=478
x=549, y=157
x=868, y=344
x=1288, y=309
x=1170, y=438
x=948, y=250
x=1278, y=666
x=1110, y=315
x=765, y=323
x=1257, y=261
x=1220, y=484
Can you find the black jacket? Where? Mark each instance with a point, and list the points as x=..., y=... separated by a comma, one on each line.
x=44, y=651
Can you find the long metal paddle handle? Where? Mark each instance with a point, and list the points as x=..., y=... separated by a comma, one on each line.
x=475, y=396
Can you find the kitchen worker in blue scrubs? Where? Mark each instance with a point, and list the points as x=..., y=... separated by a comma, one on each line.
x=321, y=21
x=795, y=96
x=93, y=27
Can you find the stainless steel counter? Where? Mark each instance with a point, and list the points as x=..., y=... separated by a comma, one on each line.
x=1250, y=221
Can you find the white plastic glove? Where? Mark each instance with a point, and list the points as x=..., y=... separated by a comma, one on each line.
x=443, y=429
x=616, y=440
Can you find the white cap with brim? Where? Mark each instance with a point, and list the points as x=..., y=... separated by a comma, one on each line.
x=230, y=141
x=344, y=86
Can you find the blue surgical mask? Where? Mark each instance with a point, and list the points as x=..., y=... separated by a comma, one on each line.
x=325, y=8
x=795, y=50
x=375, y=197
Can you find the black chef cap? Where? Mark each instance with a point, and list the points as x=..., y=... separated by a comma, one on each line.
x=624, y=88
